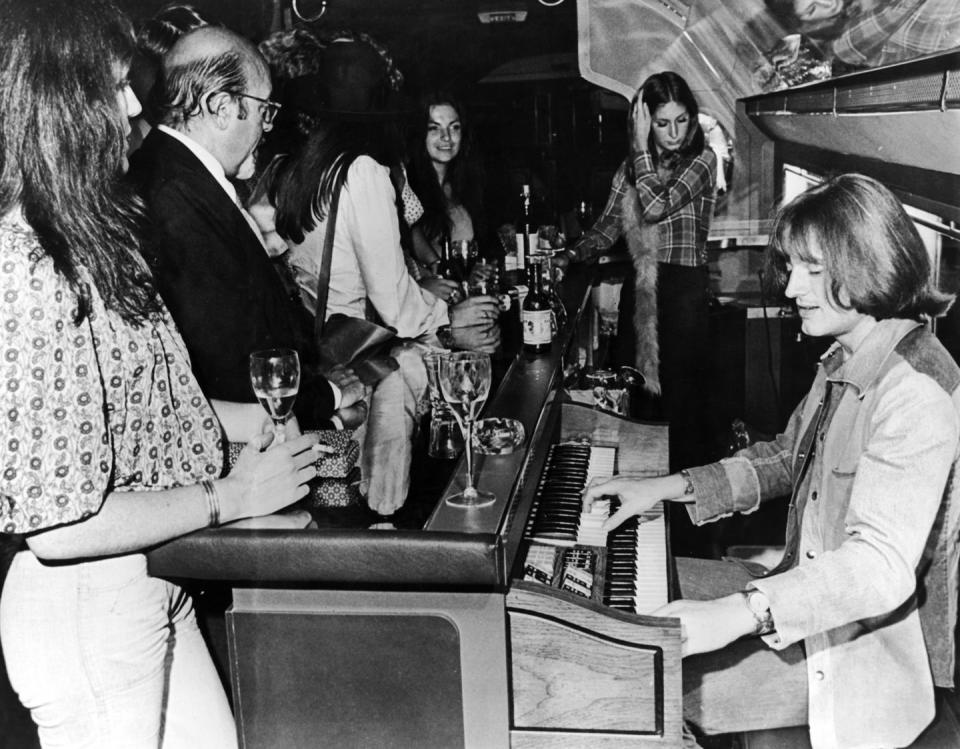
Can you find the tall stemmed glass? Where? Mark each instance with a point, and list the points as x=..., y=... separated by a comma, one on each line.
x=275, y=376
x=465, y=384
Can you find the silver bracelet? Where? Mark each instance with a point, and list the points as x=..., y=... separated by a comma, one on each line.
x=213, y=502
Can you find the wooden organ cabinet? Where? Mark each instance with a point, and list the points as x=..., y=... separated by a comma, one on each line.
x=458, y=634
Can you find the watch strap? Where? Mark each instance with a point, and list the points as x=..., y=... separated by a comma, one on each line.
x=758, y=604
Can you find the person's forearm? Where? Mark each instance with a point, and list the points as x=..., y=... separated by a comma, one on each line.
x=127, y=522
x=673, y=488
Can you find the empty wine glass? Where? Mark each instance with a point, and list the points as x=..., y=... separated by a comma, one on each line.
x=275, y=376
x=465, y=384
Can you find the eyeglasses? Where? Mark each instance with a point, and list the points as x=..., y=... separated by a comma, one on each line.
x=268, y=109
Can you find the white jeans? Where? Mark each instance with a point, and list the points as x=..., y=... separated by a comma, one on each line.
x=105, y=656
x=396, y=405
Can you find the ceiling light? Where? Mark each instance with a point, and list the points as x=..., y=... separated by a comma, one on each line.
x=505, y=11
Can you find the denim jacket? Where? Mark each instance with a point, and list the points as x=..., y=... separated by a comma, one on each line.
x=869, y=576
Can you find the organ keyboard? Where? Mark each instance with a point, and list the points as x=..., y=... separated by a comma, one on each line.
x=625, y=569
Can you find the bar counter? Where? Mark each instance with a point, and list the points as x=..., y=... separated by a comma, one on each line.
x=457, y=547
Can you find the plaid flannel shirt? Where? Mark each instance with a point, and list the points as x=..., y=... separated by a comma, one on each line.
x=679, y=202
x=900, y=30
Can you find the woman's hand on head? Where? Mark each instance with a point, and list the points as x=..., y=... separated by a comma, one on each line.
x=641, y=125
x=268, y=476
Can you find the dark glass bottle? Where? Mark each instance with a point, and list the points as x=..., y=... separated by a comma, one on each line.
x=536, y=316
x=584, y=216
x=525, y=228
x=447, y=268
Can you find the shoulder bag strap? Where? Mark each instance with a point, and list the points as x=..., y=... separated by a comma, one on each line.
x=323, y=278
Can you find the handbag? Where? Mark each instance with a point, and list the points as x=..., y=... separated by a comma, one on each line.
x=336, y=465
x=352, y=342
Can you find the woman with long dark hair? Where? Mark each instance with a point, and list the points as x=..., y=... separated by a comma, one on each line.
x=662, y=202
x=109, y=445
x=446, y=175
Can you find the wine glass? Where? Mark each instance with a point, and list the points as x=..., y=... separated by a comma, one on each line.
x=463, y=255
x=275, y=376
x=465, y=384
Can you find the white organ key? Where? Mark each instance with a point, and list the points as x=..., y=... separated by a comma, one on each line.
x=589, y=532
x=651, y=561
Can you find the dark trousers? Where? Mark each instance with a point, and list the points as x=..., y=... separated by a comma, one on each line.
x=745, y=686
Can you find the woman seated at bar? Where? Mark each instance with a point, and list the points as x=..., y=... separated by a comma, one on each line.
x=109, y=445
x=347, y=130
x=447, y=179
x=852, y=630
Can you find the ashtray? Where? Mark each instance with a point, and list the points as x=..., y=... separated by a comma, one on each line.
x=496, y=436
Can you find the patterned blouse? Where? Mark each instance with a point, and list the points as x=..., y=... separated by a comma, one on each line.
x=88, y=409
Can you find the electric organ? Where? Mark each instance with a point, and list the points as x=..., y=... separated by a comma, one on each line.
x=516, y=624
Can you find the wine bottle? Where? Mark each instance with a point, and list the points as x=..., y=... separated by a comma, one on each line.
x=584, y=216
x=536, y=315
x=524, y=229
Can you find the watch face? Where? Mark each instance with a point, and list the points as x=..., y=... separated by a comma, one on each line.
x=758, y=602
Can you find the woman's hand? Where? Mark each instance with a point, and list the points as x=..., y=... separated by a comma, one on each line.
x=636, y=495
x=351, y=389
x=268, y=477
x=475, y=310
x=442, y=288
x=706, y=626
x=641, y=125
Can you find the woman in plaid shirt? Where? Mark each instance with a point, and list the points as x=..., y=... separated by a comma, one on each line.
x=662, y=202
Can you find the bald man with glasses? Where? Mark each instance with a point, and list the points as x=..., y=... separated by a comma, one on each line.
x=206, y=252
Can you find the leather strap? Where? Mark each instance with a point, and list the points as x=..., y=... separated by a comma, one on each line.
x=323, y=278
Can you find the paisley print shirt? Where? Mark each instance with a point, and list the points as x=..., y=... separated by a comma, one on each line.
x=88, y=409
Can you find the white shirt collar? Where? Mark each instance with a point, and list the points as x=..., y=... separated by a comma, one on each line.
x=206, y=158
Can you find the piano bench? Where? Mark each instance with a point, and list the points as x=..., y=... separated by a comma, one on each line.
x=942, y=733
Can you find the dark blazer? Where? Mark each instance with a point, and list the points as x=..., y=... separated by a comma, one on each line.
x=225, y=294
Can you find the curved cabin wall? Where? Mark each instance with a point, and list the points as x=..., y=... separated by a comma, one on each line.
x=900, y=124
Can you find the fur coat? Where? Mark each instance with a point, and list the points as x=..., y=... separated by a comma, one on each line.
x=643, y=242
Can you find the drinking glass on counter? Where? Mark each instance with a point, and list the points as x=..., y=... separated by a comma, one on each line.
x=275, y=377
x=445, y=436
x=465, y=383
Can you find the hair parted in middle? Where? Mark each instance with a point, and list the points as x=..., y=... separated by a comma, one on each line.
x=63, y=145
x=465, y=176
x=664, y=87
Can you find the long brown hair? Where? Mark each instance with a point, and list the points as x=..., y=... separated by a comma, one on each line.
x=62, y=146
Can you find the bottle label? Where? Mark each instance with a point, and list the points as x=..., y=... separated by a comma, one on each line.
x=537, y=327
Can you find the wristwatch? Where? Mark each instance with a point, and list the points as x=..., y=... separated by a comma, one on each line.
x=759, y=605
x=445, y=336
